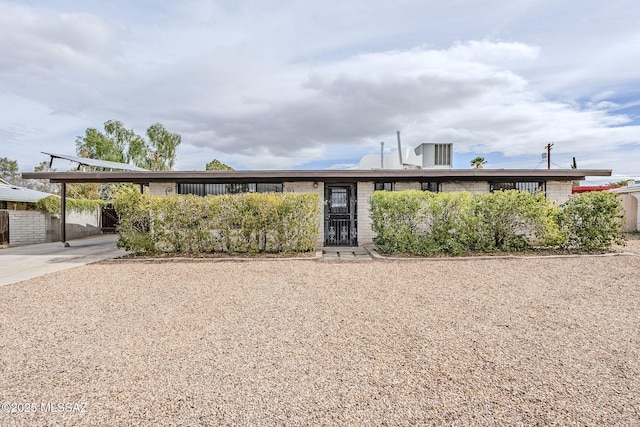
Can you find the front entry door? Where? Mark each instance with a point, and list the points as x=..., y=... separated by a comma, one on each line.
x=340, y=221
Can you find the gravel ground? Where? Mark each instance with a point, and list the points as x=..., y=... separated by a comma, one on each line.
x=483, y=342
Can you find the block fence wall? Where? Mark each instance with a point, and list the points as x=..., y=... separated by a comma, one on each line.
x=30, y=227
x=27, y=227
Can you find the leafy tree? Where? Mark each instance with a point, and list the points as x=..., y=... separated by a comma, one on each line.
x=478, y=162
x=163, y=146
x=41, y=184
x=9, y=170
x=118, y=144
x=217, y=165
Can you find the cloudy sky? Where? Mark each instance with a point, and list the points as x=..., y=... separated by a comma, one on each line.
x=266, y=84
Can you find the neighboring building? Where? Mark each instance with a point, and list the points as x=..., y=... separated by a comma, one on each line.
x=579, y=189
x=20, y=223
x=344, y=193
x=630, y=195
x=14, y=197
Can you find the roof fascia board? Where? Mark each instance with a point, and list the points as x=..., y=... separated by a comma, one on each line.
x=318, y=175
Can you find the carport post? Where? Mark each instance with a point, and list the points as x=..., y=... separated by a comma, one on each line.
x=63, y=214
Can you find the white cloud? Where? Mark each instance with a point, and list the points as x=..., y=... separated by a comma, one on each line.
x=262, y=85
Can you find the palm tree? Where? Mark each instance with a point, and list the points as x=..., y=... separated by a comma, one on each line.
x=478, y=162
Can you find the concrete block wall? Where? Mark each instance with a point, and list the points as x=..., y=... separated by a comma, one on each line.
x=475, y=187
x=308, y=187
x=79, y=224
x=163, y=188
x=401, y=186
x=27, y=227
x=559, y=191
x=365, y=233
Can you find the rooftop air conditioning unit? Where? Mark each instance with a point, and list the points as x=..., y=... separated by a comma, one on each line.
x=438, y=156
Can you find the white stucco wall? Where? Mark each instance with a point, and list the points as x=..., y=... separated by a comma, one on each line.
x=631, y=205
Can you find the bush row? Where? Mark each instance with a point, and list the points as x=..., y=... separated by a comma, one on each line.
x=237, y=223
x=424, y=223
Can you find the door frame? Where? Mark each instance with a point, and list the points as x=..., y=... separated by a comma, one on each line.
x=341, y=228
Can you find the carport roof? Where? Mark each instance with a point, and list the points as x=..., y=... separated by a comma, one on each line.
x=320, y=175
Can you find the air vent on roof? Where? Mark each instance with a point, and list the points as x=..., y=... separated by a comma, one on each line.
x=435, y=155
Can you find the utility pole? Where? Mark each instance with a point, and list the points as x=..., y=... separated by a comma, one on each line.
x=549, y=155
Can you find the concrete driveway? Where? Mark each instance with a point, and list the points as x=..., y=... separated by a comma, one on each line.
x=25, y=262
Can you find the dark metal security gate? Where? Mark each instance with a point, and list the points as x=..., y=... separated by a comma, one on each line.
x=340, y=220
x=4, y=228
x=109, y=219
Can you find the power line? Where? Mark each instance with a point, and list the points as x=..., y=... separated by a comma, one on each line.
x=561, y=167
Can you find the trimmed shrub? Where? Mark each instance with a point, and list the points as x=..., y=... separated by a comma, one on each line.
x=592, y=222
x=244, y=223
x=424, y=223
x=513, y=221
x=421, y=223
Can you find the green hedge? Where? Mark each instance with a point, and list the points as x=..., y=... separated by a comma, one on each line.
x=424, y=223
x=592, y=221
x=237, y=223
x=52, y=205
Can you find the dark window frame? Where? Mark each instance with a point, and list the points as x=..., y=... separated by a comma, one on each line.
x=384, y=186
x=527, y=186
x=432, y=186
x=215, y=189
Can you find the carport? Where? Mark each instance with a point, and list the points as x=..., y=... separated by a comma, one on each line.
x=79, y=178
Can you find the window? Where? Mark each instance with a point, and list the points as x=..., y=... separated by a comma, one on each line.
x=3, y=204
x=432, y=186
x=379, y=186
x=228, y=188
x=339, y=199
x=442, y=155
x=528, y=186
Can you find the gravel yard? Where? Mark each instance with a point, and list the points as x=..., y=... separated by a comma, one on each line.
x=487, y=342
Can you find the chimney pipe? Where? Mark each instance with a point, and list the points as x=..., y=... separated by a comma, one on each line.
x=381, y=154
x=399, y=148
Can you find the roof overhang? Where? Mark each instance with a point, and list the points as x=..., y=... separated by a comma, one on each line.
x=320, y=175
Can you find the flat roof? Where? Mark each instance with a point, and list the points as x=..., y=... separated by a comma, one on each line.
x=352, y=175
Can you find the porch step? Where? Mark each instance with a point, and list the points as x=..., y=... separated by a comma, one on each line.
x=346, y=253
